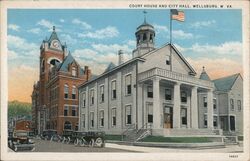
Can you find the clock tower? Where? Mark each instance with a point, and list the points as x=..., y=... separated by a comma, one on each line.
x=52, y=52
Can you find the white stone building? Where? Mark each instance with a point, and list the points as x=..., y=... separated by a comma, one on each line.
x=156, y=89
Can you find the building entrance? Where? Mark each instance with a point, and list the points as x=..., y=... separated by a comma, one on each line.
x=168, y=117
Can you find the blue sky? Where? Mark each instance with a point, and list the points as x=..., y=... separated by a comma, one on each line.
x=211, y=38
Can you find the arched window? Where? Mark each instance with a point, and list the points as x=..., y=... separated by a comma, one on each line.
x=74, y=71
x=43, y=65
x=66, y=91
x=144, y=37
x=74, y=92
x=67, y=125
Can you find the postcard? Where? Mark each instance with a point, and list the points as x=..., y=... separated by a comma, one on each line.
x=125, y=80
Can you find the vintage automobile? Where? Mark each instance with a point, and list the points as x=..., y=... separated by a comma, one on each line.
x=48, y=134
x=66, y=136
x=19, y=140
x=91, y=138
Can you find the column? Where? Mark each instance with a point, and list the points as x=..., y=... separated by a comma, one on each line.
x=140, y=103
x=194, y=108
x=210, y=109
x=177, y=106
x=156, y=103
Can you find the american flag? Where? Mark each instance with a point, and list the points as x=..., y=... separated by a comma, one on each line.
x=177, y=15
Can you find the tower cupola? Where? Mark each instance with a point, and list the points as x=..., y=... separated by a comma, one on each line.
x=145, y=38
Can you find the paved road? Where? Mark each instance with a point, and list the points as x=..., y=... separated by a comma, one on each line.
x=51, y=146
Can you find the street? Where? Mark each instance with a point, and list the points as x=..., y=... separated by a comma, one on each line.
x=51, y=146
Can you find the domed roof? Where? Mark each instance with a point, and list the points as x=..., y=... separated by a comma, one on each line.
x=145, y=24
x=204, y=75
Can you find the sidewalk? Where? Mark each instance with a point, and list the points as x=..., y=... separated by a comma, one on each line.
x=227, y=149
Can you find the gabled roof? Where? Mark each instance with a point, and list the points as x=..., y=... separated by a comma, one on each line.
x=225, y=83
x=68, y=60
x=192, y=71
x=53, y=36
x=110, y=67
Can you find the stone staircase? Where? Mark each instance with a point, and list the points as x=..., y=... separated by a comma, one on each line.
x=131, y=134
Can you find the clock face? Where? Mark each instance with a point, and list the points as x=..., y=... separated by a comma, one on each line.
x=56, y=44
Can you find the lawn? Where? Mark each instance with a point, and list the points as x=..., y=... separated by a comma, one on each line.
x=113, y=137
x=176, y=139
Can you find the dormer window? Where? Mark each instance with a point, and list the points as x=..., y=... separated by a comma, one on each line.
x=74, y=71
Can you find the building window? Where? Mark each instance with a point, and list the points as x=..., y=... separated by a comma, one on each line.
x=92, y=96
x=66, y=109
x=67, y=125
x=102, y=93
x=74, y=92
x=150, y=92
x=168, y=94
x=205, y=101
x=74, y=71
x=239, y=105
x=73, y=111
x=113, y=115
x=113, y=86
x=183, y=97
x=183, y=116
x=144, y=37
x=91, y=119
x=215, y=121
x=128, y=115
x=84, y=100
x=205, y=120
x=66, y=91
x=101, y=118
x=150, y=112
x=214, y=103
x=168, y=60
x=232, y=104
x=128, y=84
x=83, y=120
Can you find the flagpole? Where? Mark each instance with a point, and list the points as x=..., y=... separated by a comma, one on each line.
x=170, y=47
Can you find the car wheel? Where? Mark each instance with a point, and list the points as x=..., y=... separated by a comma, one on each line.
x=92, y=142
x=76, y=142
x=99, y=142
x=15, y=148
x=68, y=141
x=82, y=142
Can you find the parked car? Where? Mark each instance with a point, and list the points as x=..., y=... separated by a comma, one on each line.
x=91, y=138
x=19, y=140
x=66, y=136
x=47, y=134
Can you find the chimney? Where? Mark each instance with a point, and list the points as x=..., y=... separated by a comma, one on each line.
x=87, y=72
x=120, y=56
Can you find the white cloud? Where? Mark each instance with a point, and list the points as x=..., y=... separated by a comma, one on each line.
x=227, y=48
x=49, y=25
x=201, y=24
x=21, y=46
x=101, y=55
x=62, y=20
x=68, y=39
x=107, y=32
x=35, y=30
x=160, y=28
x=85, y=25
x=13, y=27
x=180, y=34
x=11, y=54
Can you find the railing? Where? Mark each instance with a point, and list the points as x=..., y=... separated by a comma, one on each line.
x=130, y=127
x=174, y=76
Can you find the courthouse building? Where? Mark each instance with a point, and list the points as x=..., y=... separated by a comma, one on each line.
x=159, y=89
x=55, y=95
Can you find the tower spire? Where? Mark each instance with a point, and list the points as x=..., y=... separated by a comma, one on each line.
x=54, y=28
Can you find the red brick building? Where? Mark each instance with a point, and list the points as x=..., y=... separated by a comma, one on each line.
x=55, y=96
